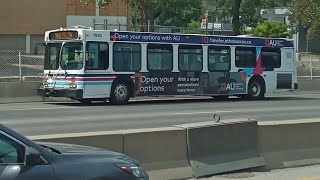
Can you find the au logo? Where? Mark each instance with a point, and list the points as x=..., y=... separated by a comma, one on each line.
x=228, y=86
x=273, y=43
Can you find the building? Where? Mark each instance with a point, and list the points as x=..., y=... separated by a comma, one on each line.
x=23, y=22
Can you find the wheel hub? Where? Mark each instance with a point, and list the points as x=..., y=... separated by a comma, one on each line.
x=121, y=92
x=256, y=89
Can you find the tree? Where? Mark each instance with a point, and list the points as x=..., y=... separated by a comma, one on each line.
x=271, y=29
x=306, y=13
x=169, y=12
x=181, y=12
x=193, y=28
x=242, y=12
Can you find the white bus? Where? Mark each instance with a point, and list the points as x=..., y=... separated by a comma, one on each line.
x=92, y=65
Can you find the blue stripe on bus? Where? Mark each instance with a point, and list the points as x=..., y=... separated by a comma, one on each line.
x=60, y=83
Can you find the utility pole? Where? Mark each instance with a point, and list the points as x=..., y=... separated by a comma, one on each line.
x=97, y=8
x=206, y=18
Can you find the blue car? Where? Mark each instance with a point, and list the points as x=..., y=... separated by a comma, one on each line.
x=23, y=159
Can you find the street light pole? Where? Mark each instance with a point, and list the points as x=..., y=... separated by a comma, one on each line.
x=97, y=8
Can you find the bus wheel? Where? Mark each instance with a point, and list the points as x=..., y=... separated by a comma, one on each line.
x=120, y=93
x=256, y=89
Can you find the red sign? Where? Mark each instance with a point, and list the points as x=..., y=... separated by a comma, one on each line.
x=204, y=21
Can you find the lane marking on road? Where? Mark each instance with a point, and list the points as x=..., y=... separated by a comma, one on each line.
x=31, y=109
x=194, y=113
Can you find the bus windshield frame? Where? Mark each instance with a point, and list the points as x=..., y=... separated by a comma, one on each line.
x=52, y=56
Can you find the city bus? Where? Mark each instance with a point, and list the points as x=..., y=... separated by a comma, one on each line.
x=99, y=65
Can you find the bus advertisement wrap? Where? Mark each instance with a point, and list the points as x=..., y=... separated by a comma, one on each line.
x=189, y=83
x=197, y=39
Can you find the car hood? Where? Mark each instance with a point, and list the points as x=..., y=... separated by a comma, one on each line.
x=84, y=151
x=73, y=148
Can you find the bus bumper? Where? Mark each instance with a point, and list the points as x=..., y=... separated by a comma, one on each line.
x=71, y=93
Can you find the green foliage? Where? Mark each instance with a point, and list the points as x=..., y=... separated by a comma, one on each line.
x=306, y=13
x=249, y=11
x=181, y=12
x=194, y=28
x=271, y=29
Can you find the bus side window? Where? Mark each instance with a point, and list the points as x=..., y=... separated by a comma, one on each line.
x=219, y=59
x=160, y=57
x=97, y=56
x=190, y=58
x=245, y=57
x=271, y=57
x=126, y=57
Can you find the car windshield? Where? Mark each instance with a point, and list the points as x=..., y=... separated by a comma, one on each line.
x=52, y=55
x=72, y=56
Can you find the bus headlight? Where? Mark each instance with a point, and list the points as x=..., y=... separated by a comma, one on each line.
x=45, y=83
x=73, y=85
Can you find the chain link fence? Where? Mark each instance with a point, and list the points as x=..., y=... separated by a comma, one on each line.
x=20, y=66
x=308, y=66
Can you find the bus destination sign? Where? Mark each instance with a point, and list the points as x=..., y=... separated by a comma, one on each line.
x=63, y=35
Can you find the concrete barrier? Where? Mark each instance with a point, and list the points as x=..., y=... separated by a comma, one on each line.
x=19, y=89
x=309, y=84
x=290, y=143
x=221, y=147
x=159, y=148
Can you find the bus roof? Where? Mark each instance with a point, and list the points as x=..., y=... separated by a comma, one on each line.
x=150, y=37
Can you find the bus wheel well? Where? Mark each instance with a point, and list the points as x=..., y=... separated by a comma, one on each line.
x=125, y=79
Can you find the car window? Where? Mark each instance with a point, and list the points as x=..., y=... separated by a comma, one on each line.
x=11, y=152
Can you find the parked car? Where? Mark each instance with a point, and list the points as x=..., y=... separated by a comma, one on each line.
x=23, y=159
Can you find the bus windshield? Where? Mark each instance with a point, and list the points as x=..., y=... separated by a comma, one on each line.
x=72, y=56
x=51, y=60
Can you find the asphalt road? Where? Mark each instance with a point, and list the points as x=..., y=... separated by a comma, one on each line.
x=69, y=117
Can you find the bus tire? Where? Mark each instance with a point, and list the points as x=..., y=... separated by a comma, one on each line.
x=120, y=93
x=256, y=89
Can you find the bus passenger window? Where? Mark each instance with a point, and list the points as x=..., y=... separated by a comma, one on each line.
x=219, y=59
x=126, y=57
x=271, y=57
x=97, y=56
x=246, y=57
x=190, y=58
x=160, y=57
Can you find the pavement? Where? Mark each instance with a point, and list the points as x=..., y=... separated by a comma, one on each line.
x=298, y=173
x=39, y=118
